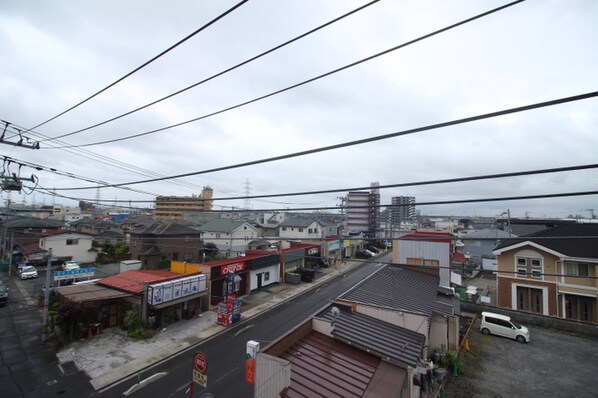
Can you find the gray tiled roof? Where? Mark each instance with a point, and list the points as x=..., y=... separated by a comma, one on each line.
x=221, y=225
x=574, y=240
x=380, y=338
x=404, y=290
x=165, y=229
x=298, y=222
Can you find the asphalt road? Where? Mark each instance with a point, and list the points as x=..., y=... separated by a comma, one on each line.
x=226, y=352
x=553, y=364
x=28, y=367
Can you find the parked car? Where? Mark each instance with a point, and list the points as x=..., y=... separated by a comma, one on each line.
x=28, y=272
x=363, y=254
x=70, y=265
x=3, y=294
x=502, y=325
x=370, y=253
x=373, y=249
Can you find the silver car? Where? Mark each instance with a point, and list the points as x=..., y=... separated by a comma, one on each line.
x=28, y=272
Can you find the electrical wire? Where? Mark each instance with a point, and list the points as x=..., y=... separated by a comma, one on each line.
x=230, y=10
x=117, y=163
x=362, y=141
x=219, y=73
x=465, y=21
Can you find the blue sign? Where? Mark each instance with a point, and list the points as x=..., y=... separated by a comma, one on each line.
x=73, y=274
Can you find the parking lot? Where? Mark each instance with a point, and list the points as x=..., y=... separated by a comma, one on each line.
x=553, y=364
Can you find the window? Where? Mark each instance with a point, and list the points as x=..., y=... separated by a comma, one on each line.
x=188, y=257
x=576, y=269
x=133, y=242
x=187, y=239
x=529, y=267
x=70, y=242
x=266, y=276
x=310, y=231
x=300, y=229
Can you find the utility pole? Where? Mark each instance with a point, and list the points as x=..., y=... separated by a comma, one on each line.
x=47, y=297
x=12, y=237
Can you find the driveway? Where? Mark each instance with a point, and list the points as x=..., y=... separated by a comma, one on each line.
x=553, y=364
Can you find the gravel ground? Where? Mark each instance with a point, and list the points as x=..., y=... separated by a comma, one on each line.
x=553, y=364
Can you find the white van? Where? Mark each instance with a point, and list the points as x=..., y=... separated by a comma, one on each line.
x=501, y=325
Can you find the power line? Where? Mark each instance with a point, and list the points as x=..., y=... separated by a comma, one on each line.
x=219, y=73
x=399, y=185
x=115, y=162
x=430, y=203
x=145, y=63
x=465, y=21
x=362, y=141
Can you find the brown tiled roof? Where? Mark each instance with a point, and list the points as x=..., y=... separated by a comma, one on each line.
x=322, y=367
x=132, y=281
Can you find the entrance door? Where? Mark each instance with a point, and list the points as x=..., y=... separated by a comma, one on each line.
x=113, y=315
x=259, y=280
x=529, y=299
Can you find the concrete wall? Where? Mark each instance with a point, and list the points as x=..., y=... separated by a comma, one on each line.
x=527, y=319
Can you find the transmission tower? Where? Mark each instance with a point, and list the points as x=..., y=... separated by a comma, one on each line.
x=247, y=202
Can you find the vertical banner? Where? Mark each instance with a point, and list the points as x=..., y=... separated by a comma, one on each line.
x=250, y=371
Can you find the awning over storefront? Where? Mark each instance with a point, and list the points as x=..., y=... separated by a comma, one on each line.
x=90, y=292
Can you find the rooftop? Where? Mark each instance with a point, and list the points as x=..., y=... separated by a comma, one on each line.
x=405, y=290
x=133, y=281
x=572, y=240
x=380, y=338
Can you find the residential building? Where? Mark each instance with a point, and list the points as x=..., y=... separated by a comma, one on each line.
x=67, y=214
x=552, y=272
x=412, y=300
x=175, y=207
x=402, y=210
x=301, y=228
x=69, y=245
x=362, y=210
x=230, y=236
x=479, y=244
x=158, y=242
x=341, y=353
x=25, y=230
x=427, y=251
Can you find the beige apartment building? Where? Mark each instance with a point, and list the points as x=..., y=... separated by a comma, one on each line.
x=175, y=207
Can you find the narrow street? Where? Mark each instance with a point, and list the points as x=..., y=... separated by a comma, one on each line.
x=28, y=367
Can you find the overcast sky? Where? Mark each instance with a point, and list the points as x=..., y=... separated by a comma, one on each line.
x=57, y=53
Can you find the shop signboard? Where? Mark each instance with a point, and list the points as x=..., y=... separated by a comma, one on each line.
x=73, y=274
x=164, y=292
x=232, y=268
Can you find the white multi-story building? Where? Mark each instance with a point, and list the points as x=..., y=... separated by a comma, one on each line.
x=363, y=212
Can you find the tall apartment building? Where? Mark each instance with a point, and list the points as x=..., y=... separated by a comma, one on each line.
x=403, y=209
x=363, y=211
x=175, y=207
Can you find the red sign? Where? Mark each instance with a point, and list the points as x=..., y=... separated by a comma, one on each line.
x=250, y=370
x=200, y=361
x=230, y=268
